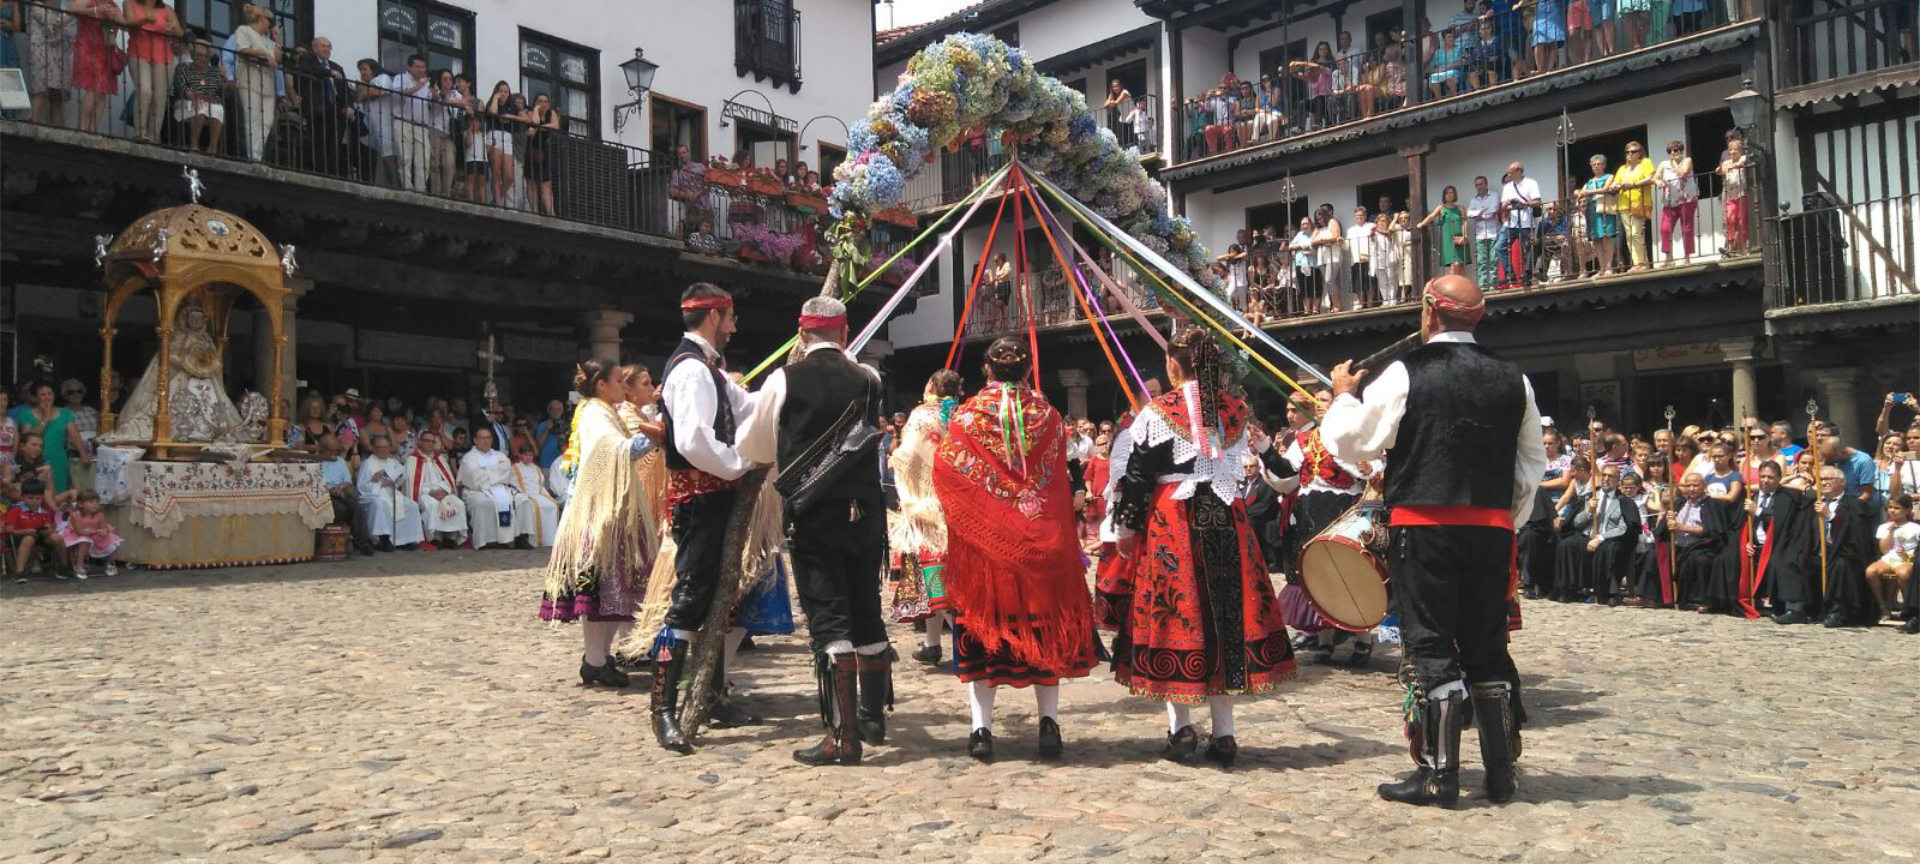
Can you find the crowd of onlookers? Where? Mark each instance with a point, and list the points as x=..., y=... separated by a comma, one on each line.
x=415, y=127
x=1484, y=44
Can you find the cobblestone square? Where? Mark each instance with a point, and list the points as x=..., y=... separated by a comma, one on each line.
x=409, y=707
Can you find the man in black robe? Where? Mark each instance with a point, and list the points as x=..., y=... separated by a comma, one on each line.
x=1849, y=525
x=1694, y=544
x=1787, y=553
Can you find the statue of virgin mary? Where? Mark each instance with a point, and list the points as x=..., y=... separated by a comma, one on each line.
x=197, y=398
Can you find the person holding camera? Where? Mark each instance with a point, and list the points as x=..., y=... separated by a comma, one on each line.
x=1519, y=207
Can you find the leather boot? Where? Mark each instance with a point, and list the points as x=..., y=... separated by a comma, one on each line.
x=841, y=746
x=726, y=713
x=1493, y=713
x=876, y=695
x=665, y=706
x=1436, y=782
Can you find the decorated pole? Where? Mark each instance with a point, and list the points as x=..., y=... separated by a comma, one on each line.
x=1673, y=485
x=1819, y=501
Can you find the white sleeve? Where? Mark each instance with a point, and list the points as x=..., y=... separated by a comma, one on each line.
x=690, y=398
x=1362, y=430
x=760, y=435
x=1530, y=460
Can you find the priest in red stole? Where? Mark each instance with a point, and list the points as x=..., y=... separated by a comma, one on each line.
x=1014, y=572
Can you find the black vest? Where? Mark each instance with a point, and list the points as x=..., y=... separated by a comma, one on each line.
x=690, y=350
x=1455, y=447
x=821, y=389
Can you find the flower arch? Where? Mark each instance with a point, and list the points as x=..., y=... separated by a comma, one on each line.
x=970, y=85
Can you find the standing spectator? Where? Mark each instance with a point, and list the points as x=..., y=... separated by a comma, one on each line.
x=86, y=422
x=1859, y=468
x=1117, y=99
x=1519, y=203
x=1452, y=239
x=1483, y=212
x=1139, y=120
x=327, y=105
x=56, y=426
x=444, y=156
x=1221, y=136
x=258, y=46
x=1601, y=207
x=1679, y=199
x=1403, y=240
x=1887, y=464
x=1602, y=35
x=550, y=435
x=1385, y=259
x=1633, y=185
x=1581, y=39
x=1549, y=33
x=150, y=56
x=95, y=57
x=202, y=107
x=1197, y=116
x=503, y=107
x=1638, y=15
x=1733, y=193
x=50, y=44
x=470, y=138
x=1359, y=240
x=1309, y=287
x=1318, y=75
x=543, y=126
x=1000, y=281
x=1330, y=254
x=412, y=144
x=1235, y=262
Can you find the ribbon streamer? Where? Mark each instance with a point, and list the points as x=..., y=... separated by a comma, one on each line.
x=1096, y=317
x=886, y=309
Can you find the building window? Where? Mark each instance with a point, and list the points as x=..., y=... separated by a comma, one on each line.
x=218, y=18
x=763, y=145
x=440, y=33
x=1396, y=190
x=568, y=74
x=766, y=41
x=677, y=124
x=1009, y=34
x=1706, y=141
x=831, y=155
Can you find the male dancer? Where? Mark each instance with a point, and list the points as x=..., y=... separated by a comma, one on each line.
x=702, y=409
x=1461, y=436
x=1328, y=486
x=812, y=417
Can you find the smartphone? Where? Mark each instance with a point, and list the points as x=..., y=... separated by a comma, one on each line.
x=1902, y=398
x=1909, y=456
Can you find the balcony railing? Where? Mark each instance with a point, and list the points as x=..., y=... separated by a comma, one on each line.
x=1850, y=37
x=1466, y=55
x=303, y=117
x=1840, y=253
x=1003, y=308
x=1134, y=124
x=766, y=40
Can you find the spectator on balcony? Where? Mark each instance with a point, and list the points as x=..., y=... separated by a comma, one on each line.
x=1549, y=33
x=1359, y=256
x=1330, y=254
x=1403, y=239
x=1197, y=117
x=1509, y=36
x=1235, y=262
x=1451, y=239
x=1117, y=100
x=1000, y=282
x=543, y=122
x=1394, y=64
x=1602, y=34
x=781, y=172
x=1690, y=16
x=202, y=108
x=1384, y=260
x=93, y=49
x=688, y=184
x=1139, y=121
x=1246, y=110
x=1581, y=37
x=1317, y=73
x=1446, y=73
x=1372, y=86
x=1486, y=64
x=413, y=149
x=1733, y=193
x=257, y=45
x=1483, y=213
x=1519, y=205
x=1261, y=284
x=1309, y=287
x=373, y=125
x=469, y=134
x=150, y=60
x=1465, y=27
x=327, y=106
x=1679, y=199
x=1600, y=205
x=444, y=117
x=1633, y=186
x=1345, y=102
x=502, y=112
x=1553, y=238
x=1220, y=134
x=49, y=70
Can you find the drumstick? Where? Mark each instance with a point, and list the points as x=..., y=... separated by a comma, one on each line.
x=1388, y=354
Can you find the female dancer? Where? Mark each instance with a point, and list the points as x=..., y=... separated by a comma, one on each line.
x=920, y=533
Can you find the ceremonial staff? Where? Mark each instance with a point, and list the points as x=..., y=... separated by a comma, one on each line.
x=1667, y=504
x=1819, y=501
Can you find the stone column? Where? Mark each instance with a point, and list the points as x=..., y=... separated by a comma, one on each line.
x=603, y=333
x=1840, y=404
x=1076, y=381
x=1740, y=353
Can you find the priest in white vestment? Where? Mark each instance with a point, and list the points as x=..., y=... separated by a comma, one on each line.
x=392, y=519
x=560, y=481
x=430, y=483
x=497, y=513
x=530, y=481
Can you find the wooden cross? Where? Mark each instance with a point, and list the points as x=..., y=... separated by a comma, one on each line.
x=490, y=392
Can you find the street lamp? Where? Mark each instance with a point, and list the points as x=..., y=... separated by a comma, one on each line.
x=1745, y=105
x=639, y=73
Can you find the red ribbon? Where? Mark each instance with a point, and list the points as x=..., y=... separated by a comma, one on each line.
x=697, y=303
x=822, y=322
x=1470, y=312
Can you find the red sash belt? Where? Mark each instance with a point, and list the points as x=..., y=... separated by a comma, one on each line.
x=688, y=483
x=1476, y=517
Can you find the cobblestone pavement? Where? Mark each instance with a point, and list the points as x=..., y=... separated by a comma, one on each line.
x=409, y=707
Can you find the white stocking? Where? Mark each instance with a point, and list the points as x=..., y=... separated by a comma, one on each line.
x=1179, y=717
x=1048, y=695
x=935, y=625
x=1221, y=707
x=980, y=699
x=599, y=638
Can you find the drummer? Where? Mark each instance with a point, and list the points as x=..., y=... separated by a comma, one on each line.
x=1461, y=436
x=1328, y=487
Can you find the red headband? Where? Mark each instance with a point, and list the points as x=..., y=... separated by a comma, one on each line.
x=822, y=322
x=692, y=304
x=1467, y=314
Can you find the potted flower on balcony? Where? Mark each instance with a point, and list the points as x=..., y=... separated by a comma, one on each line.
x=897, y=274
x=899, y=215
x=762, y=182
x=809, y=202
x=720, y=172
x=764, y=244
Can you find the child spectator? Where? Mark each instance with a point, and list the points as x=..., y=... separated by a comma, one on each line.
x=30, y=524
x=89, y=536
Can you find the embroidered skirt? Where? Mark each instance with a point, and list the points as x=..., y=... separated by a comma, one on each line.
x=920, y=588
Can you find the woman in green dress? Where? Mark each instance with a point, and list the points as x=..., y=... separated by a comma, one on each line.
x=55, y=425
x=1452, y=242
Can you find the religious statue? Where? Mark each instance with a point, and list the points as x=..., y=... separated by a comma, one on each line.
x=197, y=396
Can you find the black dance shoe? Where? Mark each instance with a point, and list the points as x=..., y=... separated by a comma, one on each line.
x=1792, y=618
x=1050, y=744
x=1835, y=621
x=1362, y=652
x=927, y=654
x=1223, y=749
x=727, y=714
x=606, y=675
x=1911, y=627
x=980, y=745
x=1180, y=745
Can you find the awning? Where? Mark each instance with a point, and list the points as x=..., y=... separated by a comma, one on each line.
x=1110, y=48
x=1889, y=78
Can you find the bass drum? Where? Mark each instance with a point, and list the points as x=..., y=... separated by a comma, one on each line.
x=1343, y=571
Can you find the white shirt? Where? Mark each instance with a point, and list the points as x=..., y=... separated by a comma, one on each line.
x=691, y=401
x=1364, y=429
x=1484, y=212
x=1297, y=458
x=1520, y=198
x=411, y=98
x=1079, y=447
x=439, y=115
x=760, y=435
x=1359, y=242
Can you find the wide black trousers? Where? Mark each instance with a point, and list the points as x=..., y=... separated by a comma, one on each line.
x=699, y=532
x=838, y=546
x=1450, y=586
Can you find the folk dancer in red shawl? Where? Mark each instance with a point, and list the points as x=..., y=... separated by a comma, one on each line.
x=920, y=534
x=1195, y=611
x=1014, y=572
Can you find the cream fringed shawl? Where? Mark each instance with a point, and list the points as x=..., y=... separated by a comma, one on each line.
x=609, y=525
x=920, y=526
